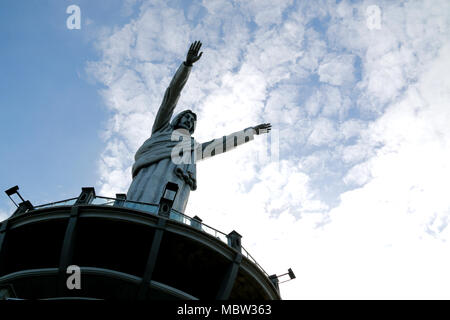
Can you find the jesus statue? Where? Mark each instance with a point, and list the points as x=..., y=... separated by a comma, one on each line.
x=171, y=153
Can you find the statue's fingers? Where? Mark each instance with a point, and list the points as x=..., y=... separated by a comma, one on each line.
x=197, y=47
x=192, y=46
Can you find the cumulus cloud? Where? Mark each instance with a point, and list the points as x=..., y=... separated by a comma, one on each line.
x=3, y=215
x=356, y=203
x=323, y=132
x=337, y=70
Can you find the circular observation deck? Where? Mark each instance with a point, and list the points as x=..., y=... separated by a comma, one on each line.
x=126, y=254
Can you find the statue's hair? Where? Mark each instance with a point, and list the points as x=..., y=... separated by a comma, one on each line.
x=177, y=118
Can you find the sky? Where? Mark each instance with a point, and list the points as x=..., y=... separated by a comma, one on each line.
x=349, y=189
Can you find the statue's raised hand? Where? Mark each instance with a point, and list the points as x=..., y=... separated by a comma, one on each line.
x=262, y=128
x=192, y=55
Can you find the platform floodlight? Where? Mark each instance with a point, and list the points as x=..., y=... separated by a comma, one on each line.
x=14, y=190
x=167, y=199
x=275, y=279
x=290, y=273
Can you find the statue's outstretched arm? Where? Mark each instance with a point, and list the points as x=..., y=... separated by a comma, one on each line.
x=172, y=93
x=227, y=143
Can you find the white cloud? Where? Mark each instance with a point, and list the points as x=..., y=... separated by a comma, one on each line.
x=3, y=215
x=381, y=127
x=128, y=7
x=115, y=158
x=401, y=215
x=266, y=12
x=323, y=132
x=337, y=70
x=351, y=128
x=358, y=175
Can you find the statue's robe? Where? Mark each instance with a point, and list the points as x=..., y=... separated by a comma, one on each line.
x=154, y=162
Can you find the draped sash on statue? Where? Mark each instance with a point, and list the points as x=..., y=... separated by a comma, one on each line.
x=161, y=145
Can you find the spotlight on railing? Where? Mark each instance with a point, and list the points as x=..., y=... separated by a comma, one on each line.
x=14, y=190
x=167, y=199
x=290, y=273
x=276, y=281
x=22, y=207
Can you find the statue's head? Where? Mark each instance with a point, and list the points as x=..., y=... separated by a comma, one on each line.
x=185, y=120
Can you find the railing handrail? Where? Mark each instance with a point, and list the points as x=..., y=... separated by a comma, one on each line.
x=125, y=200
x=247, y=254
x=52, y=203
x=254, y=261
x=157, y=205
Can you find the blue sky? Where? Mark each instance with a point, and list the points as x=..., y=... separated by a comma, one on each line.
x=355, y=90
x=52, y=115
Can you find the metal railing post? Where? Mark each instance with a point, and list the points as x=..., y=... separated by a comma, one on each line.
x=120, y=199
x=196, y=222
x=234, y=240
x=86, y=196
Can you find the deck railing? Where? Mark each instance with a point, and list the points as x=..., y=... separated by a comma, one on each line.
x=153, y=209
